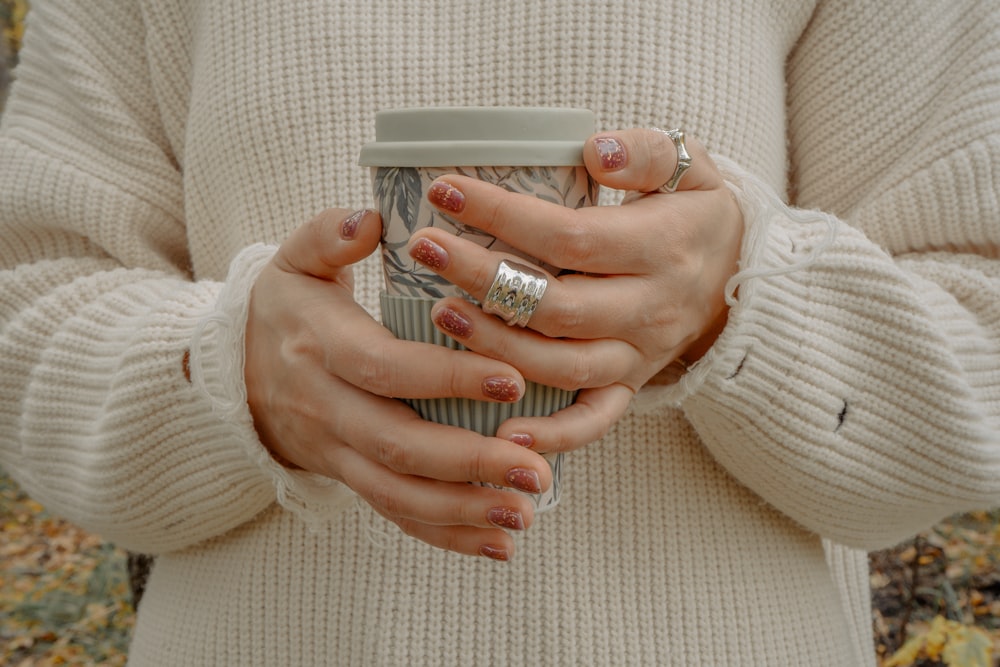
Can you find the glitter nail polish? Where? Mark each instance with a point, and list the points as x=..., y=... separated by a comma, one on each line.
x=503, y=389
x=523, y=439
x=505, y=517
x=611, y=152
x=453, y=323
x=429, y=254
x=523, y=479
x=446, y=197
x=496, y=553
x=349, y=228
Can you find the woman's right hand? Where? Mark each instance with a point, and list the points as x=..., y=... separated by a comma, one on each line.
x=322, y=380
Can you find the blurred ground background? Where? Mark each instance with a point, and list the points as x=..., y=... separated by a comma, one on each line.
x=65, y=597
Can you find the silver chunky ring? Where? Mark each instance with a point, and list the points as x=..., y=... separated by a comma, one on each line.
x=683, y=160
x=515, y=293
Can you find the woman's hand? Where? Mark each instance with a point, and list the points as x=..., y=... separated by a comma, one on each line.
x=646, y=289
x=322, y=377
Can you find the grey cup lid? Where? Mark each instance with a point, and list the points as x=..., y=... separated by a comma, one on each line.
x=474, y=136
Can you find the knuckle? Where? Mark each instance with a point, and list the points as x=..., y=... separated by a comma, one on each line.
x=662, y=315
x=475, y=467
x=494, y=210
x=457, y=380
x=392, y=453
x=317, y=234
x=664, y=320
x=504, y=347
x=373, y=368
x=471, y=514
x=684, y=239
x=331, y=464
x=580, y=371
x=316, y=226
x=662, y=143
x=384, y=500
x=695, y=148
x=302, y=344
x=567, y=316
x=575, y=242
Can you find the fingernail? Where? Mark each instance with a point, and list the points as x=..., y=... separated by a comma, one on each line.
x=453, y=323
x=349, y=228
x=446, y=197
x=523, y=479
x=429, y=254
x=612, y=153
x=496, y=553
x=523, y=439
x=505, y=517
x=503, y=389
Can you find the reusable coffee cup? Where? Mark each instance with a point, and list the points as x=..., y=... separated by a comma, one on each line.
x=530, y=150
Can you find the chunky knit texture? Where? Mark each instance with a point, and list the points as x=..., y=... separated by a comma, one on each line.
x=853, y=399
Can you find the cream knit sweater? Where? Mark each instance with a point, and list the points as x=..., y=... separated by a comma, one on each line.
x=854, y=395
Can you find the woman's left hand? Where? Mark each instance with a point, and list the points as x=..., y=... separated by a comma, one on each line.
x=646, y=288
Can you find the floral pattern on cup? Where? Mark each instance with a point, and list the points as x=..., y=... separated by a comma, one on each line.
x=400, y=198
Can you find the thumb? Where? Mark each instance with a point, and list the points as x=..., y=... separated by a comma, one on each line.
x=644, y=159
x=331, y=241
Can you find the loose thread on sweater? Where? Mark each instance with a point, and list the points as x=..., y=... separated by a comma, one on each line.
x=375, y=532
x=796, y=216
x=758, y=203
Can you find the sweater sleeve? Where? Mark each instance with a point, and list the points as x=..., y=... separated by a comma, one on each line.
x=855, y=387
x=115, y=360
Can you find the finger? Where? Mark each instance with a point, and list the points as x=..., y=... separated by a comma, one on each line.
x=312, y=413
x=337, y=335
x=594, y=239
x=574, y=305
x=588, y=419
x=334, y=239
x=490, y=543
x=393, y=435
x=645, y=159
x=433, y=502
x=369, y=357
x=566, y=362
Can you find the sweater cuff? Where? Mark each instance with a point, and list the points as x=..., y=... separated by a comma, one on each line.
x=217, y=370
